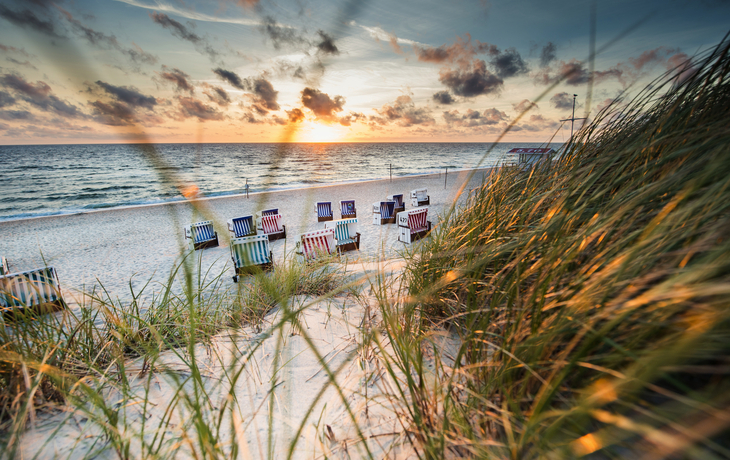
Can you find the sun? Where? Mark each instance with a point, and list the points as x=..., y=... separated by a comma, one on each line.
x=319, y=132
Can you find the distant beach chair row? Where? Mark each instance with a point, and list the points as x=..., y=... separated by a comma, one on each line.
x=38, y=289
x=323, y=209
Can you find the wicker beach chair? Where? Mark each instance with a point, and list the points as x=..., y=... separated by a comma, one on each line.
x=251, y=254
x=202, y=235
x=271, y=225
x=347, y=209
x=420, y=197
x=400, y=205
x=383, y=212
x=242, y=226
x=412, y=225
x=324, y=211
x=265, y=212
x=347, y=238
x=317, y=243
x=38, y=289
x=4, y=270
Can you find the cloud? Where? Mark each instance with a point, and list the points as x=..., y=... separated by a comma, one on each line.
x=536, y=123
x=280, y=35
x=404, y=113
x=217, y=94
x=656, y=56
x=682, y=65
x=508, y=63
x=321, y=104
x=6, y=100
x=295, y=115
x=562, y=101
x=575, y=74
x=191, y=107
x=112, y=113
x=178, y=78
x=548, y=54
x=25, y=63
x=351, y=118
x=443, y=97
x=128, y=106
x=327, y=44
x=40, y=96
x=15, y=115
x=230, y=77
x=28, y=20
x=264, y=90
x=475, y=80
x=12, y=49
x=461, y=52
x=182, y=32
x=128, y=95
x=524, y=105
x=190, y=14
x=474, y=118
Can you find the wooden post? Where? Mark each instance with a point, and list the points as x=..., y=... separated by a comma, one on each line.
x=246, y=187
x=446, y=175
x=390, y=165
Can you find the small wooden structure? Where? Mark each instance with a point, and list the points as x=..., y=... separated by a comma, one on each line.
x=251, y=254
x=324, y=211
x=420, y=197
x=400, y=205
x=347, y=238
x=316, y=243
x=383, y=212
x=241, y=226
x=271, y=225
x=202, y=235
x=347, y=209
x=528, y=156
x=412, y=225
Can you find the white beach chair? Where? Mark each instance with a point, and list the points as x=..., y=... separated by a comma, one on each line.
x=37, y=289
x=317, y=243
x=420, y=197
x=202, y=235
x=271, y=225
x=347, y=238
x=412, y=225
x=347, y=209
x=4, y=270
x=324, y=211
x=241, y=226
x=251, y=254
x=383, y=212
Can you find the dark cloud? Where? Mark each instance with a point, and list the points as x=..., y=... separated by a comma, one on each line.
x=575, y=74
x=178, y=78
x=474, y=118
x=14, y=115
x=351, y=118
x=284, y=68
x=295, y=115
x=508, y=63
x=217, y=94
x=404, y=113
x=128, y=95
x=562, y=101
x=321, y=104
x=548, y=54
x=230, y=77
x=461, y=52
x=191, y=107
x=6, y=99
x=264, y=91
x=28, y=20
x=443, y=97
x=475, y=80
x=113, y=113
x=280, y=35
x=180, y=31
x=524, y=105
x=40, y=96
x=656, y=56
x=536, y=123
x=326, y=44
x=25, y=63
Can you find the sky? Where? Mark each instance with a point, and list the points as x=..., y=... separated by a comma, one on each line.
x=168, y=71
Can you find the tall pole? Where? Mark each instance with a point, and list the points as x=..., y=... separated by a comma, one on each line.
x=572, y=119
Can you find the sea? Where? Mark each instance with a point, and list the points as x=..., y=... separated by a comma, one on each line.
x=43, y=180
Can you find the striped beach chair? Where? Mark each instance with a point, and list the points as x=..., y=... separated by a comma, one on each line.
x=4, y=270
x=272, y=227
x=420, y=197
x=412, y=225
x=317, y=243
x=265, y=212
x=38, y=289
x=251, y=254
x=323, y=210
x=242, y=226
x=383, y=212
x=347, y=209
x=202, y=235
x=400, y=205
x=347, y=238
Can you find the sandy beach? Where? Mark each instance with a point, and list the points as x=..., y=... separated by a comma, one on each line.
x=143, y=243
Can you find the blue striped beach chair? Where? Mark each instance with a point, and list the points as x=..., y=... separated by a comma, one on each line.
x=38, y=289
x=323, y=210
x=419, y=197
x=400, y=205
x=315, y=244
x=412, y=225
x=251, y=254
x=383, y=212
x=202, y=235
x=241, y=226
x=347, y=238
x=347, y=209
x=4, y=270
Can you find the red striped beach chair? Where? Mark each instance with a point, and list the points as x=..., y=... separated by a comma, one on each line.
x=347, y=238
x=38, y=289
x=272, y=227
x=265, y=212
x=317, y=243
x=251, y=254
x=347, y=209
x=419, y=197
x=323, y=210
x=412, y=225
x=242, y=226
x=400, y=205
x=383, y=212
x=202, y=235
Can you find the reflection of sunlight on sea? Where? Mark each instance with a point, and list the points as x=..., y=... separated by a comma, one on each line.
x=42, y=180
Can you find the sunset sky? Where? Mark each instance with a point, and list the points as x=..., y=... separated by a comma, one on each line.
x=83, y=71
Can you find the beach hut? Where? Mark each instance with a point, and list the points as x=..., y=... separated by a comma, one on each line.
x=420, y=197
x=251, y=254
x=316, y=243
x=201, y=235
x=347, y=238
x=412, y=225
x=38, y=289
x=528, y=156
x=272, y=226
x=400, y=205
x=323, y=210
x=383, y=212
x=241, y=226
x=347, y=209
